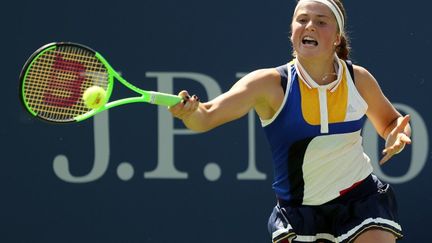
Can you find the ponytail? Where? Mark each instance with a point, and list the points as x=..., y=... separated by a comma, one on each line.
x=343, y=49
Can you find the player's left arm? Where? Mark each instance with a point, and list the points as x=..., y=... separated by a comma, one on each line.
x=388, y=122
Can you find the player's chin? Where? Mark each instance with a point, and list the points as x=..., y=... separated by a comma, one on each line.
x=307, y=53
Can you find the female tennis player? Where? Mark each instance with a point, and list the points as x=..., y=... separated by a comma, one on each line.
x=312, y=111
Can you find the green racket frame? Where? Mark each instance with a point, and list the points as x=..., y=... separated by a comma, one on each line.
x=151, y=97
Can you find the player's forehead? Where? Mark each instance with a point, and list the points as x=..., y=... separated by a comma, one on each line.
x=313, y=8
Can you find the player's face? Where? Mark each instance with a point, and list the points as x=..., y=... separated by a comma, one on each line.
x=314, y=30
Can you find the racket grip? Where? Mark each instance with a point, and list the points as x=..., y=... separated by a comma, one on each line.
x=164, y=99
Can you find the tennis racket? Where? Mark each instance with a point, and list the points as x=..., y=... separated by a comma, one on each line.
x=55, y=77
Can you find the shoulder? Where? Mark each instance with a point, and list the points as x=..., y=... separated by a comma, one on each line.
x=264, y=86
x=365, y=82
x=367, y=85
x=261, y=79
x=360, y=72
x=268, y=74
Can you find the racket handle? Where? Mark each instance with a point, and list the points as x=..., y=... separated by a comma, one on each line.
x=158, y=98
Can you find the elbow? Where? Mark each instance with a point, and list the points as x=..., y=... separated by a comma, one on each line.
x=200, y=127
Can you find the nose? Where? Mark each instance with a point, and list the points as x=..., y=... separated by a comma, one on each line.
x=310, y=26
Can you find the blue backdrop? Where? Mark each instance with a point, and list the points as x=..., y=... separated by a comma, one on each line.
x=134, y=174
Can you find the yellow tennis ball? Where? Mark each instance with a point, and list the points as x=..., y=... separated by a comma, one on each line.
x=94, y=97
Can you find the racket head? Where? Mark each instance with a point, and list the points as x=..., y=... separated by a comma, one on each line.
x=54, y=78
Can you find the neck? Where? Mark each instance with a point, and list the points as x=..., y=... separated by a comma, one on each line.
x=321, y=71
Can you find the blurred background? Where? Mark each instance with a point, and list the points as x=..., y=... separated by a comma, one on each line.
x=134, y=174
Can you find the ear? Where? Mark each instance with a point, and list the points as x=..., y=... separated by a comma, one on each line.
x=291, y=34
x=338, y=40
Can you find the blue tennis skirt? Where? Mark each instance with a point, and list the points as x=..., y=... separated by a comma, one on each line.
x=369, y=205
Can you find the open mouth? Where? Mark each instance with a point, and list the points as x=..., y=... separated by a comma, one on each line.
x=309, y=41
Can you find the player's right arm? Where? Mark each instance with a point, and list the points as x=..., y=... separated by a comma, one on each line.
x=259, y=90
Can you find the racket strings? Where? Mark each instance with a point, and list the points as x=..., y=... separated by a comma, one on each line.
x=57, y=79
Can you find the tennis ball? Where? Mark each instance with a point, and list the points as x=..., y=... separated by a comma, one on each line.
x=94, y=97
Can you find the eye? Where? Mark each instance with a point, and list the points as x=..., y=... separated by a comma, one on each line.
x=302, y=20
x=322, y=23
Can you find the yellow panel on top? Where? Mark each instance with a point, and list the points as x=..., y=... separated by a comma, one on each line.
x=336, y=102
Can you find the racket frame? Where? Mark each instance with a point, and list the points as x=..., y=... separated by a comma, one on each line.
x=146, y=96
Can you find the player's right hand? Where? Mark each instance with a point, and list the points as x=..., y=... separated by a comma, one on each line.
x=186, y=107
